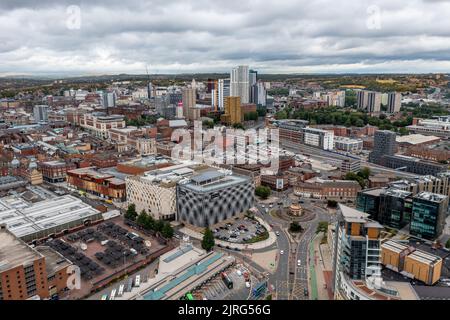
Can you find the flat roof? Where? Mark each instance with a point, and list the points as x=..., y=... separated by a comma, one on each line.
x=14, y=252
x=24, y=218
x=434, y=197
x=54, y=261
x=352, y=215
x=416, y=139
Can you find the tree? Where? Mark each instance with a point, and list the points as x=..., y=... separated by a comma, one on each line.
x=208, y=240
x=295, y=227
x=332, y=203
x=150, y=223
x=364, y=173
x=142, y=218
x=167, y=231
x=322, y=227
x=263, y=192
x=159, y=225
x=238, y=126
x=131, y=213
x=208, y=124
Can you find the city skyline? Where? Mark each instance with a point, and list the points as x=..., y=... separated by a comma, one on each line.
x=92, y=38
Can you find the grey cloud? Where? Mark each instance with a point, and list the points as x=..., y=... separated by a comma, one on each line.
x=211, y=35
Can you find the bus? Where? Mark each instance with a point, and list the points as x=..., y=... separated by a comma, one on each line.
x=226, y=279
x=189, y=296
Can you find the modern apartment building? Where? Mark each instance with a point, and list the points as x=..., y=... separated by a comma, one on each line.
x=233, y=110
x=240, y=83
x=319, y=138
x=428, y=215
x=357, y=253
x=213, y=196
x=384, y=145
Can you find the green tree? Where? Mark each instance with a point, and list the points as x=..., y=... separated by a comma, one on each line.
x=263, y=192
x=131, y=213
x=322, y=227
x=208, y=241
x=142, y=218
x=295, y=227
x=332, y=203
x=167, y=231
x=159, y=224
x=150, y=223
x=364, y=173
x=208, y=124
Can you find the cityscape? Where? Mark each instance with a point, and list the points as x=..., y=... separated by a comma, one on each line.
x=240, y=182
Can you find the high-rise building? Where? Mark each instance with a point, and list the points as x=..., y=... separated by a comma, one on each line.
x=189, y=101
x=429, y=211
x=369, y=101
x=233, y=111
x=394, y=103
x=223, y=91
x=239, y=83
x=356, y=254
x=384, y=145
x=41, y=113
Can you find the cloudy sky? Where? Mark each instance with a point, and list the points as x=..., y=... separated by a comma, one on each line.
x=80, y=37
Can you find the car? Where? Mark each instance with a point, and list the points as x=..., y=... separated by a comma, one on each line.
x=305, y=292
x=299, y=263
x=281, y=251
x=277, y=233
x=247, y=284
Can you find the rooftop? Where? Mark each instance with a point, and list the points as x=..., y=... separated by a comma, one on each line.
x=23, y=218
x=438, y=198
x=14, y=252
x=416, y=139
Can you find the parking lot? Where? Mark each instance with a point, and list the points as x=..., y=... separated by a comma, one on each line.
x=216, y=289
x=104, y=250
x=241, y=230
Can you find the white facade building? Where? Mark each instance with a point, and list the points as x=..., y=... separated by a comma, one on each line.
x=240, y=83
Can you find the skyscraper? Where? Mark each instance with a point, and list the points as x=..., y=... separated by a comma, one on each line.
x=240, y=84
x=189, y=101
x=384, y=145
x=40, y=113
x=394, y=103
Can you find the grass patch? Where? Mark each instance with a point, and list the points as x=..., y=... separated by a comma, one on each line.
x=258, y=238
